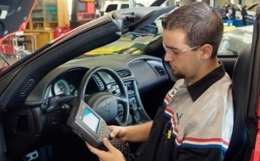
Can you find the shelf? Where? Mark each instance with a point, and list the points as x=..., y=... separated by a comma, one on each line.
x=48, y=14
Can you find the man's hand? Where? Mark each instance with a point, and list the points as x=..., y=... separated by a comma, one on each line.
x=130, y=133
x=119, y=132
x=112, y=154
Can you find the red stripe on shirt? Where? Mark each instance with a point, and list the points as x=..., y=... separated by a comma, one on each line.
x=173, y=121
x=201, y=140
x=168, y=99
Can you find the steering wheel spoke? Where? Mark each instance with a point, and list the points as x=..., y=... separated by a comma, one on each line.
x=121, y=99
x=118, y=120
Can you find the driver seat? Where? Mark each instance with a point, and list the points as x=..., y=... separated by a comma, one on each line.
x=239, y=147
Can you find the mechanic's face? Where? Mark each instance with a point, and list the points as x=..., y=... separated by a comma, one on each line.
x=184, y=60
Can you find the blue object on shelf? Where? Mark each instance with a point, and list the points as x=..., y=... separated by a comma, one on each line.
x=237, y=23
x=228, y=22
x=250, y=22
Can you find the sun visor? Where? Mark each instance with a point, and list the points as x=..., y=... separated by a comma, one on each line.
x=14, y=15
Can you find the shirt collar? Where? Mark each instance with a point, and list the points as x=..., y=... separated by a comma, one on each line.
x=199, y=87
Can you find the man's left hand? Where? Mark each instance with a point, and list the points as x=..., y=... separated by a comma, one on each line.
x=112, y=154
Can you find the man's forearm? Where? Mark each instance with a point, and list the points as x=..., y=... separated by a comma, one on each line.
x=138, y=133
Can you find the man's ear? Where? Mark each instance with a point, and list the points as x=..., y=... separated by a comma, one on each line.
x=206, y=51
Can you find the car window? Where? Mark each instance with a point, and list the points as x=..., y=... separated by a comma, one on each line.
x=235, y=40
x=124, y=6
x=111, y=7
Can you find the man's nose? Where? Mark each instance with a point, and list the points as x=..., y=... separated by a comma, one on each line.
x=167, y=57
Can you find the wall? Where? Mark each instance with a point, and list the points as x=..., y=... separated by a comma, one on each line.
x=247, y=2
x=221, y=2
x=217, y=2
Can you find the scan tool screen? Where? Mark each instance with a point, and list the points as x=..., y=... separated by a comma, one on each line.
x=91, y=120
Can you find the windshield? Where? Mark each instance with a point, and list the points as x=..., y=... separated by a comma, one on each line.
x=129, y=43
x=234, y=40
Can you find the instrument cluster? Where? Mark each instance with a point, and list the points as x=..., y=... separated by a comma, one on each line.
x=63, y=87
x=67, y=84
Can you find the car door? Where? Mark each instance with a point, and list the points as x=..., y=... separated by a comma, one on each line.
x=244, y=143
x=13, y=17
x=253, y=99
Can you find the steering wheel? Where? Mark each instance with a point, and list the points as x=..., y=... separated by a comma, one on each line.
x=106, y=104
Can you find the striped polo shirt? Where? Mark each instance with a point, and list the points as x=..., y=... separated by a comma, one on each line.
x=195, y=121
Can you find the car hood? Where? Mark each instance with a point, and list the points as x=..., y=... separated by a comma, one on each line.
x=250, y=8
x=14, y=16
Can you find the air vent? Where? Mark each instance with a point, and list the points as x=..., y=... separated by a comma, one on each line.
x=123, y=73
x=159, y=70
x=27, y=87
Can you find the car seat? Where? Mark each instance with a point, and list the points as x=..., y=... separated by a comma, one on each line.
x=240, y=148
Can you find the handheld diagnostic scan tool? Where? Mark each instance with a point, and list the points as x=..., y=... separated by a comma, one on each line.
x=88, y=125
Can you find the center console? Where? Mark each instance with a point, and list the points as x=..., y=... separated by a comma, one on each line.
x=137, y=112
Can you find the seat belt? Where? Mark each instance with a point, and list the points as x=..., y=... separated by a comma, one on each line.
x=256, y=152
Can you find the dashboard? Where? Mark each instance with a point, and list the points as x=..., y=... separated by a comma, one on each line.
x=146, y=71
x=139, y=74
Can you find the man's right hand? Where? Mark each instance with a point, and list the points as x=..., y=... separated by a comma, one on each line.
x=119, y=132
x=131, y=133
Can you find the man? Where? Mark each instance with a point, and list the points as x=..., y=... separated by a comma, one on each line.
x=230, y=12
x=196, y=120
x=244, y=14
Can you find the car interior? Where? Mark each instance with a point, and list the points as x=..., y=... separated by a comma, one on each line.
x=38, y=96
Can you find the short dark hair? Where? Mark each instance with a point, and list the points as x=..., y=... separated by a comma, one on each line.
x=201, y=23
